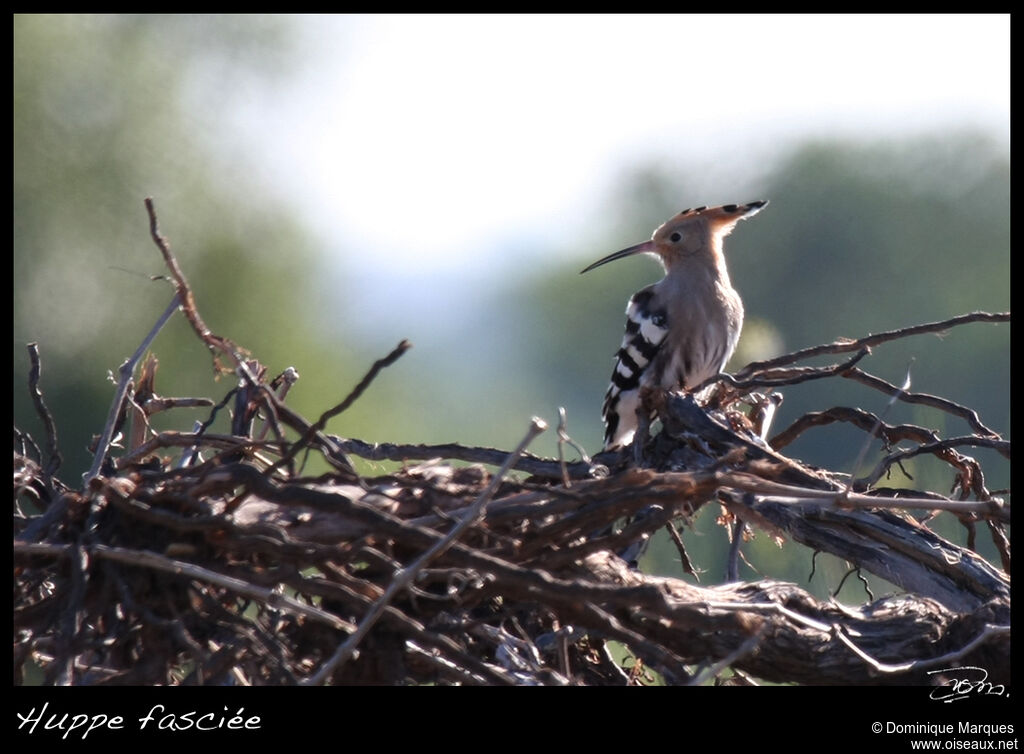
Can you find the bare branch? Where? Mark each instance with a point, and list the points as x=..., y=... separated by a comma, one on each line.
x=529, y=463
x=936, y=447
x=53, y=456
x=846, y=346
x=922, y=399
x=186, y=298
x=780, y=377
x=861, y=419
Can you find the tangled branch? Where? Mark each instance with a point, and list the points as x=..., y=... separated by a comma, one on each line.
x=217, y=563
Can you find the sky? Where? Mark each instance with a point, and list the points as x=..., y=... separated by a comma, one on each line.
x=417, y=147
x=478, y=126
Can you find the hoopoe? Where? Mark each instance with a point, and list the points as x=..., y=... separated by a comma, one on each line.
x=682, y=330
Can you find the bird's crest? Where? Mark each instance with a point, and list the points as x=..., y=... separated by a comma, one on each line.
x=722, y=219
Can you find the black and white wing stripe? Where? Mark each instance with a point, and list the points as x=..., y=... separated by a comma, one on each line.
x=646, y=328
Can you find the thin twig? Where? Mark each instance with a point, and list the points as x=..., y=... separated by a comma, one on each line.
x=53, y=456
x=845, y=346
x=186, y=297
x=125, y=371
x=867, y=442
x=188, y=306
x=907, y=667
x=157, y=404
x=684, y=558
x=747, y=648
x=317, y=427
x=922, y=399
x=359, y=389
x=667, y=662
x=563, y=437
x=865, y=420
x=1000, y=446
x=282, y=384
x=1002, y=543
x=781, y=377
x=195, y=440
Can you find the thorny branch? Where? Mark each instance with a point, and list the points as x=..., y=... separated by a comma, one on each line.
x=234, y=569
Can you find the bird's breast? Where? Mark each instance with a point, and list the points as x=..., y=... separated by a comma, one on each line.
x=703, y=330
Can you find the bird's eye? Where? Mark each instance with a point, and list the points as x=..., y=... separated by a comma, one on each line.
x=675, y=237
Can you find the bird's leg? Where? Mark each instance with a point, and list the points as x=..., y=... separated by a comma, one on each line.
x=643, y=425
x=643, y=433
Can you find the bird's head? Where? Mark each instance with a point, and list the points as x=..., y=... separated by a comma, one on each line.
x=689, y=233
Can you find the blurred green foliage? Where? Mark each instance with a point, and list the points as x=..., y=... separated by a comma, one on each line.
x=107, y=111
x=859, y=238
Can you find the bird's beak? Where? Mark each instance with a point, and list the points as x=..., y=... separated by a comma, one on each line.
x=640, y=248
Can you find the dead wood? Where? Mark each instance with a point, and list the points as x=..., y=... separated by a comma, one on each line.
x=196, y=558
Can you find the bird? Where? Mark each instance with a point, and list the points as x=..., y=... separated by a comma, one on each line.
x=683, y=329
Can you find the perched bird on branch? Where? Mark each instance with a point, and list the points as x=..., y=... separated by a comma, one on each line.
x=682, y=330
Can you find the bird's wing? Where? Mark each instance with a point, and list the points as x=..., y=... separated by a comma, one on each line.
x=646, y=328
